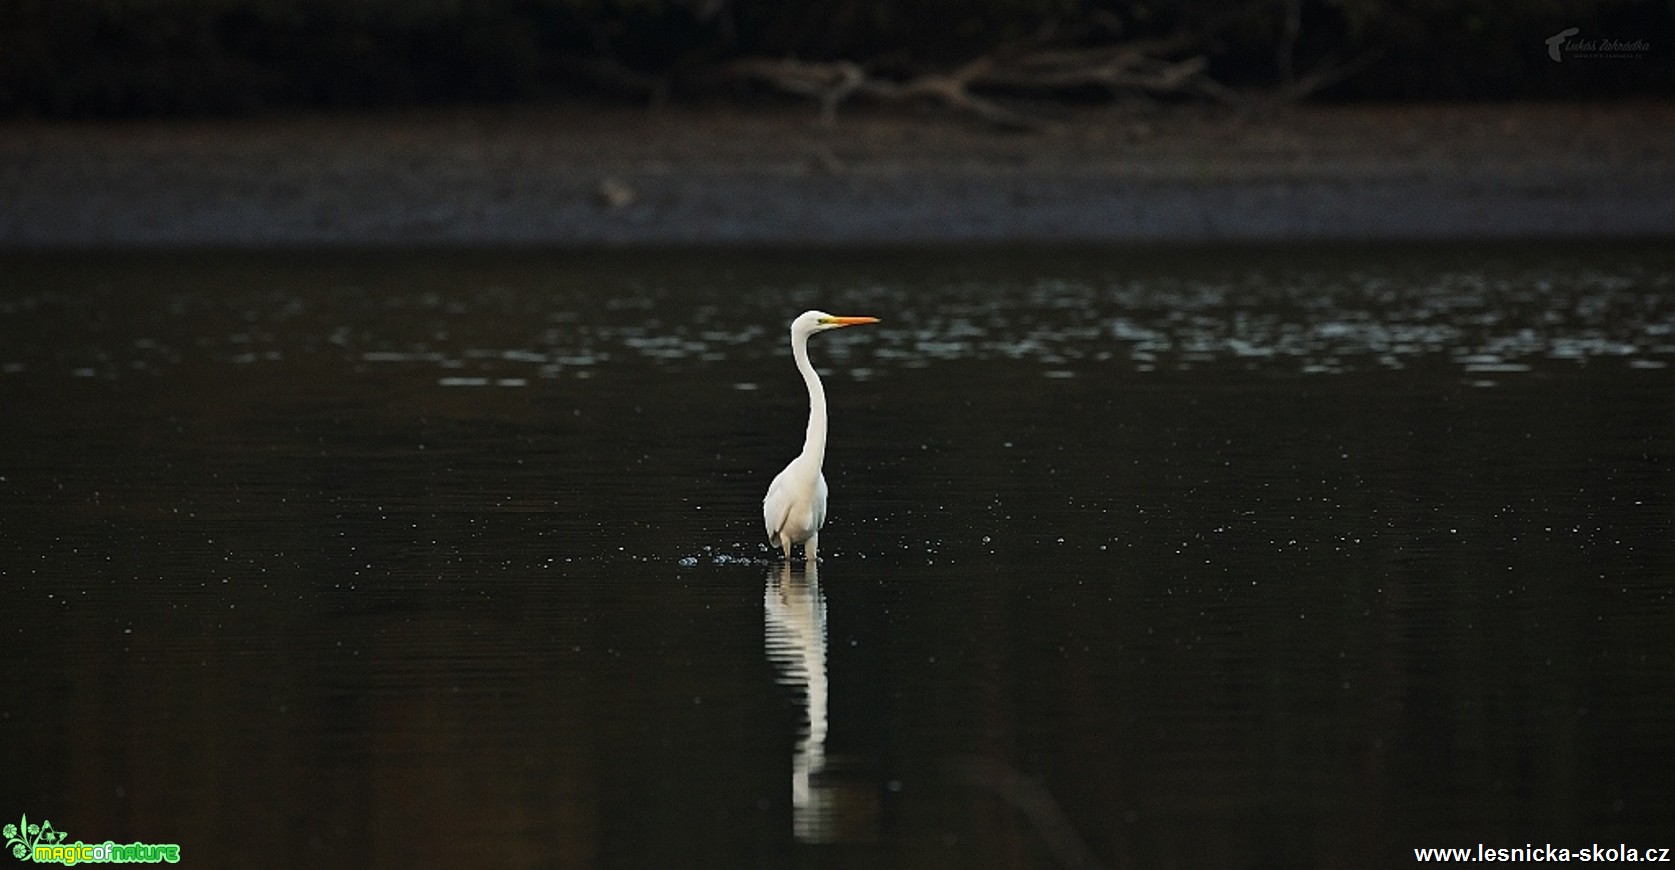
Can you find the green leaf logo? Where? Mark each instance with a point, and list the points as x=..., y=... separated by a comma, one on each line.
x=22, y=837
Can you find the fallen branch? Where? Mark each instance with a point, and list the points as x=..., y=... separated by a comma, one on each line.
x=830, y=83
x=1033, y=72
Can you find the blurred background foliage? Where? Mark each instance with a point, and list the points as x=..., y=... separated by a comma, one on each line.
x=98, y=58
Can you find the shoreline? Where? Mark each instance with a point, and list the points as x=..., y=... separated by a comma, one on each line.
x=588, y=176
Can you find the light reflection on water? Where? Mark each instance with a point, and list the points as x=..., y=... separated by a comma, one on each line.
x=1480, y=314
x=393, y=559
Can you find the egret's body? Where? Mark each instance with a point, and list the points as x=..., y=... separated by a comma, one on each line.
x=795, y=506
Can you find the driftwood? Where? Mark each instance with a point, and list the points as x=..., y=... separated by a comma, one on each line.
x=987, y=86
x=1009, y=86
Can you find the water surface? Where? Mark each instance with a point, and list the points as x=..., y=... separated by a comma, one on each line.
x=1179, y=557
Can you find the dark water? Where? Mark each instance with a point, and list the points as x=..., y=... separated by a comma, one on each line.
x=1174, y=558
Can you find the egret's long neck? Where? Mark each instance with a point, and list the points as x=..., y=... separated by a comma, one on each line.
x=814, y=442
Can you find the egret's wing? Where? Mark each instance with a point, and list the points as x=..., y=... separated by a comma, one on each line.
x=776, y=506
x=820, y=502
x=796, y=504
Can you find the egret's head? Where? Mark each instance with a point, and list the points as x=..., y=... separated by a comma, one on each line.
x=810, y=322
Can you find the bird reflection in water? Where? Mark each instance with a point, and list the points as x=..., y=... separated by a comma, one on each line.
x=825, y=807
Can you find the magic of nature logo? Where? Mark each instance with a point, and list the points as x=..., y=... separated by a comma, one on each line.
x=44, y=844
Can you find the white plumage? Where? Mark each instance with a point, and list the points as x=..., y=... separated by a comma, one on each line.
x=795, y=506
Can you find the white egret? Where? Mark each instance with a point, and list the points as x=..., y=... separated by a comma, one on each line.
x=795, y=506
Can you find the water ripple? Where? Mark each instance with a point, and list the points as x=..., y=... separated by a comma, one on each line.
x=1502, y=316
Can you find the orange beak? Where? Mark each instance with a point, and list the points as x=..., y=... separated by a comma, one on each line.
x=848, y=321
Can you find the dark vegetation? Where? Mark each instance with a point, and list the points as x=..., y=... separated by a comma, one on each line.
x=1001, y=60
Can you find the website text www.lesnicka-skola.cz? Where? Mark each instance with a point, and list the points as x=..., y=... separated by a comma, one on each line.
x=1621, y=853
